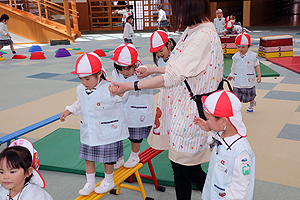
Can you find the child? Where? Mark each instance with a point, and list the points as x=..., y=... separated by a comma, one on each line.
x=162, y=18
x=128, y=33
x=103, y=124
x=219, y=21
x=19, y=178
x=161, y=47
x=5, y=38
x=231, y=171
x=231, y=28
x=233, y=18
x=126, y=13
x=139, y=105
x=243, y=70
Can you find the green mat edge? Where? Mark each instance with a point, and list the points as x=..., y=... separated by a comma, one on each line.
x=272, y=74
x=101, y=174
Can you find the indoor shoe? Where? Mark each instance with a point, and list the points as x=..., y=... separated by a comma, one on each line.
x=251, y=107
x=104, y=187
x=131, y=162
x=87, y=189
x=119, y=163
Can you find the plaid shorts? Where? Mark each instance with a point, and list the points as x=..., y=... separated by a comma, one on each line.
x=139, y=133
x=245, y=94
x=163, y=23
x=107, y=153
x=5, y=42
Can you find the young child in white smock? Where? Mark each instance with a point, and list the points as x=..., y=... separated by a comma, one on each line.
x=219, y=21
x=139, y=105
x=231, y=171
x=19, y=176
x=103, y=125
x=128, y=33
x=243, y=69
x=5, y=38
x=161, y=46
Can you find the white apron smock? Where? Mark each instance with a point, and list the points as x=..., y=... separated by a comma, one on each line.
x=243, y=70
x=159, y=136
x=139, y=104
x=30, y=192
x=220, y=172
x=102, y=122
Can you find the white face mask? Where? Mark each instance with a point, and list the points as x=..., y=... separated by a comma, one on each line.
x=233, y=20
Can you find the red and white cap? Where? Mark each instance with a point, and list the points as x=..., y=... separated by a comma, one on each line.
x=125, y=55
x=36, y=176
x=157, y=40
x=219, y=10
x=224, y=103
x=227, y=19
x=88, y=64
x=243, y=39
x=229, y=25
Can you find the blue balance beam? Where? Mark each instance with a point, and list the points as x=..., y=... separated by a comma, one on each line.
x=15, y=135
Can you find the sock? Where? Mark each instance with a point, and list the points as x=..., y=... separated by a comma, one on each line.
x=109, y=177
x=91, y=178
x=133, y=154
x=13, y=51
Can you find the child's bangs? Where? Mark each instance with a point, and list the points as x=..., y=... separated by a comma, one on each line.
x=15, y=157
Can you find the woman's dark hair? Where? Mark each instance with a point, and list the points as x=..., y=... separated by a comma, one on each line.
x=159, y=7
x=17, y=157
x=189, y=12
x=172, y=42
x=4, y=17
x=119, y=67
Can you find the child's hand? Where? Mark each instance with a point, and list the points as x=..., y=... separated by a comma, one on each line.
x=229, y=78
x=258, y=79
x=113, y=88
x=140, y=71
x=202, y=123
x=64, y=115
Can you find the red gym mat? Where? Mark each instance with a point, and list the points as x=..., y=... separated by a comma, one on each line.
x=291, y=63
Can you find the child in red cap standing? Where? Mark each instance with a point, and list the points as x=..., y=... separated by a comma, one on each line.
x=231, y=171
x=219, y=21
x=103, y=124
x=243, y=69
x=139, y=105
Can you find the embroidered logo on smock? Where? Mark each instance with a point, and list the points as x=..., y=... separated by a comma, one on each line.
x=246, y=170
x=142, y=118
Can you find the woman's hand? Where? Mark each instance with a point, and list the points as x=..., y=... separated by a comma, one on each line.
x=119, y=88
x=202, y=123
x=229, y=78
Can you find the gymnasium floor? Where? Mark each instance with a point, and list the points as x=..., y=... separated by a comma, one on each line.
x=33, y=90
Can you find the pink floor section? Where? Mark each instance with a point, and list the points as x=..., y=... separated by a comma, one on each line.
x=291, y=63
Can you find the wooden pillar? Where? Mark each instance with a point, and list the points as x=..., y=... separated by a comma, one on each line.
x=10, y=4
x=247, y=13
x=213, y=8
x=74, y=14
x=67, y=16
x=40, y=12
x=15, y=4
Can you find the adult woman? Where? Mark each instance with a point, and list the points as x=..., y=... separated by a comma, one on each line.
x=197, y=58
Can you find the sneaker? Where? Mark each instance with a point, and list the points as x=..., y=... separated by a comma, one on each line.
x=119, y=163
x=251, y=107
x=87, y=189
x=104, y=187
x=131, y=162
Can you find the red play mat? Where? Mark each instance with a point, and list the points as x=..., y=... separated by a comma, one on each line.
x=291, y=63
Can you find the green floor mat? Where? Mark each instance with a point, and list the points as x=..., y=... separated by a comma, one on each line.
x=59, y=151
x=265, y=70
